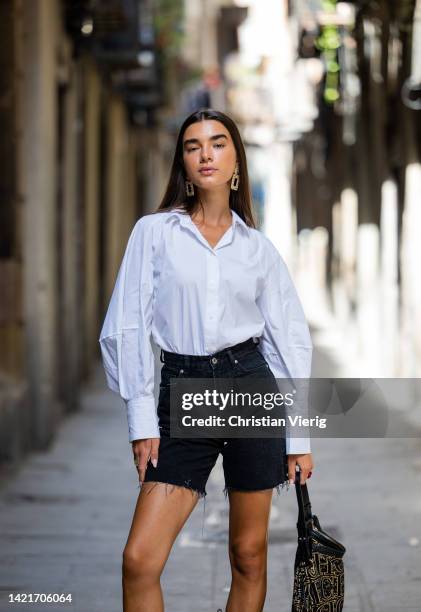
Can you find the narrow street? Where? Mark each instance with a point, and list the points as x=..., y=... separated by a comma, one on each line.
x=96, y=100
x=66, y=514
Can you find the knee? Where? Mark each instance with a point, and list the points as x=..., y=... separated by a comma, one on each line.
x=249, y=559
x=139, y=565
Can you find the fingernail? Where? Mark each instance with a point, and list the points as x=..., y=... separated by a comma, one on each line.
x=154, y=462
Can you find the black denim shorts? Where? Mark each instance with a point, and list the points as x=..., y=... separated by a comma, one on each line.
x=249, y=464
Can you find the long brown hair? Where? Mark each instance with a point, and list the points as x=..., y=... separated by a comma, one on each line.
x=175, y=193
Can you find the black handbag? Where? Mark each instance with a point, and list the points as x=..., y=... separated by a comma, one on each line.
x=318, y=567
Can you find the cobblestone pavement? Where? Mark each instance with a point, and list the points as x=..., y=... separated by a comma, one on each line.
x=65, y=515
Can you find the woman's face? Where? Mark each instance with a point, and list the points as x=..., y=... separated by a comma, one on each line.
x=209, y=154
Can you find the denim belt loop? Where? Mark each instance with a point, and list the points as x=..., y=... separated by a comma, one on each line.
x=231, y=357
x=161, y=357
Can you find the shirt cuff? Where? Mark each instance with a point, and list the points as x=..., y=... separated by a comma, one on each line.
x=142, y=418
x=298, y=446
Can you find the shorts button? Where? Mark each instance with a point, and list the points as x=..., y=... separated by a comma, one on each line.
x=214, y=360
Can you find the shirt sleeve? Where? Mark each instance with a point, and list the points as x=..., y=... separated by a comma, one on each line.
x=286, y=342
x=126, y=348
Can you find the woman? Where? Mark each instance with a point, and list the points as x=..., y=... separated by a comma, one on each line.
x=210, y=288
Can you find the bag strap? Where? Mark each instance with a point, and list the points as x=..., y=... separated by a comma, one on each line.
x=305, y=515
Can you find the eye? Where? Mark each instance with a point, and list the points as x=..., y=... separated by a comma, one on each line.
x=192, y=149
x=220, y=146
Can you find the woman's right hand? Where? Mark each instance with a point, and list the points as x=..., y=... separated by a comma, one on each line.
x=143, y=450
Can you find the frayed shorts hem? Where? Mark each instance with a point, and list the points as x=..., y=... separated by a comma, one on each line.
x=226, y=490
x=184, y=485
x=277, y=487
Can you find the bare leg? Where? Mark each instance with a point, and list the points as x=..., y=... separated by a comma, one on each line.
x=248, y=542
x=161, y=511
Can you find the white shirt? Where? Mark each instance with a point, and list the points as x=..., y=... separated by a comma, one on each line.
x=197, y=300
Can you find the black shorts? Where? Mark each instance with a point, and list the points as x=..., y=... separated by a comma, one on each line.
x=249, y=464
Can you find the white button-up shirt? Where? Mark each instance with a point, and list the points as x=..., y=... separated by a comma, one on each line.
x=197, y=300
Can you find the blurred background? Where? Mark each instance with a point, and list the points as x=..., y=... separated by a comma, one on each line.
x=328, y=98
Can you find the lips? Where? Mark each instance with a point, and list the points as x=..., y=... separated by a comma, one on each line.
x=207, y=171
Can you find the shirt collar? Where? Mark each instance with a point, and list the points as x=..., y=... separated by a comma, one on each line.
x=185, y=219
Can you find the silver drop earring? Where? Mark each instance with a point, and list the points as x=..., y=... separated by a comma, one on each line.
x=189, y=188
x=235, y=181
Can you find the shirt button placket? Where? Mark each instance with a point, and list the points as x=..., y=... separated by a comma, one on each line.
x=212, y=304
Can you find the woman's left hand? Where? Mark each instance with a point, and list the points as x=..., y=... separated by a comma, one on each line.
x=306, y=464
